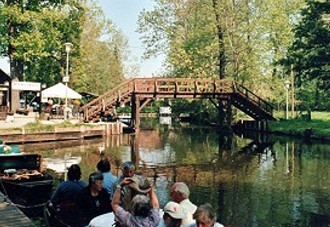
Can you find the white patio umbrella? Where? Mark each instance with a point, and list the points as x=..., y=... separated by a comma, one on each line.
x=59, y=91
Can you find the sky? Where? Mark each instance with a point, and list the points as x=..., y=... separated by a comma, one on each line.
x=124, y=13
x=4, y=65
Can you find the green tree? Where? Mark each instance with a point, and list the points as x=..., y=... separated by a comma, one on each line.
x=33, y=32
x=254, y=36
x=33, y=36
x=185, y=32
x=310, y=54
x=102, y=52
x=239, y=40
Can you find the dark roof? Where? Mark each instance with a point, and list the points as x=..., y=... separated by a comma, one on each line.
x=4, y=77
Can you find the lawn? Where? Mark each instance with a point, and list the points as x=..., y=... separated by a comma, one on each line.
x=320, y=124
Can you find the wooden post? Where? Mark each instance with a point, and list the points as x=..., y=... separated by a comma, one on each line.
x=133, y=111
x=135, y=152
x=229, y=113
x=82, y=132
x=137, y=113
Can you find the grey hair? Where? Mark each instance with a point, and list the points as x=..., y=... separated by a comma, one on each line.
x=140, y=205
x=181, y=188
x=205, y=212
x=128, y=165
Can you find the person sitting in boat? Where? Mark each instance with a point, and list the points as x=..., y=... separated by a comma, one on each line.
x=128, y=169
x=104, y=167
x=67, y=190
x=132, y=189
x=144, y=210
x=173, y=215
x=93, y=200
x=62, y=204
x=179, y=193
x=206, y=217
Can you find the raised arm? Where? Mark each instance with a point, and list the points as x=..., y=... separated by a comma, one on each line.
x=116, y=196
x=153, y=198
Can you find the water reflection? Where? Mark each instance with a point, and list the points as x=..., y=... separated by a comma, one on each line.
x=60, y=165
x=255, y=181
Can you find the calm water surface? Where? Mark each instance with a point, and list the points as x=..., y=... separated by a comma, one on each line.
x=256, y=181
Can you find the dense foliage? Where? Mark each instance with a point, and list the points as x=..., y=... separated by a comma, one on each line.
x=310, y=55
x=102, y=52
x=251, y=42
x=240, y=40
x=255, y=35
x=33, y=33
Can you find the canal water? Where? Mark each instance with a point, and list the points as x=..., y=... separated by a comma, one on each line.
x=250, y=180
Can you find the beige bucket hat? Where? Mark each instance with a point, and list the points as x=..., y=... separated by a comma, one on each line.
x=139, y=186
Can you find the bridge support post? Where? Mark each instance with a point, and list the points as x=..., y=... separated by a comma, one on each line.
x=135, y=115
x=225, y=114
x=229, y=113
x=135, y=149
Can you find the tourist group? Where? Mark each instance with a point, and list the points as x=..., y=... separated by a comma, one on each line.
x=128, y=200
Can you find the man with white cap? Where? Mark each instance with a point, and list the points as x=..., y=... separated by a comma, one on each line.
x=179, y=193
x=173, y=215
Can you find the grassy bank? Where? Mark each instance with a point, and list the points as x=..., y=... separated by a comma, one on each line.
x=40, y=127
x=319, y=124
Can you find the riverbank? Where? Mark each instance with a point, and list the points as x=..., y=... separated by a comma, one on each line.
x=30, y=129
x=316, y=128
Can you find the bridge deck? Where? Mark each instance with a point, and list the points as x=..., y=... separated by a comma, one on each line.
x=11, y=216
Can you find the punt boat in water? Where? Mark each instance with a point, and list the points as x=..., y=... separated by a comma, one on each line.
x=21, y=179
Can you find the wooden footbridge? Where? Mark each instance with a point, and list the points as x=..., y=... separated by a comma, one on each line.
x=141, y=91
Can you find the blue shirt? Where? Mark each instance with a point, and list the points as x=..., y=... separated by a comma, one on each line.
x=108, y=181
x=67, y=191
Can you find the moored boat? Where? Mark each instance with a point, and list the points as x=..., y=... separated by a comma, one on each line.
x=22, y=181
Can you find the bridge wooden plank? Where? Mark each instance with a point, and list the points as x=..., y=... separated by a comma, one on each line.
x=11, y=215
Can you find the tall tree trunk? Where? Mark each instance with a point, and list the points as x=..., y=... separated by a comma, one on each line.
x=16, y=65
x=317, y=95
x=223, y=108
x=222, y=54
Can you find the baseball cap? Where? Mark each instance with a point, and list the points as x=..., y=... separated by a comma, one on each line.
x=174, y=210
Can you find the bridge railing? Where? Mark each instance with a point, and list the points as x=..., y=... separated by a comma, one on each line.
x=182, y=86
x=253, y=97
x=108, y=98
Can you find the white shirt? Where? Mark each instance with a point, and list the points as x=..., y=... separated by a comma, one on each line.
x=189, y=208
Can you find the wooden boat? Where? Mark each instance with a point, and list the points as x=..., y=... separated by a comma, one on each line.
x=22, y=181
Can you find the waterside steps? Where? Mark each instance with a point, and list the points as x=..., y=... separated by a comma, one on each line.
x=11, y=215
